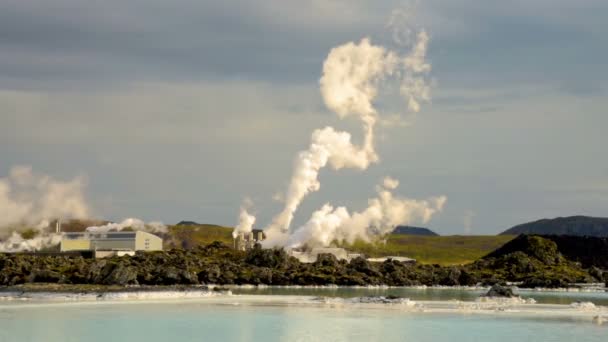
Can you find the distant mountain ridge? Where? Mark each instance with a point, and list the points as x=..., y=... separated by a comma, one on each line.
x=572, y=225
x=187, y=223
x=409, y=230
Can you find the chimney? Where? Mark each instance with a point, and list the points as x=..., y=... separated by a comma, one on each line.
x=58, y=226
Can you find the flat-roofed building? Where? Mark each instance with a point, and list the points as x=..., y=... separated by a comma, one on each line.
x=111, y=243
x=309, y=256
x=395, y=258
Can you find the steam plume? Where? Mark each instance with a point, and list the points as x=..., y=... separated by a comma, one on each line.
x=383, y=214
x=352, y=76
x=349, y=84
x=132, y=223
x=469, y=215
x=16, y=243
x=246, y=222
x=30, y=199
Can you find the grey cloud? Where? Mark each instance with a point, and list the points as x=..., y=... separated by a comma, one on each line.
x=279, y=40
x=285, y=41
x=172, y=106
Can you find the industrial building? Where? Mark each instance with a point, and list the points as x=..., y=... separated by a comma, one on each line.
x=311, y=255
x=105, y=244
x=246, y=241
x=395, y=258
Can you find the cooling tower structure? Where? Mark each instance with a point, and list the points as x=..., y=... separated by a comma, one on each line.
x=246, y=241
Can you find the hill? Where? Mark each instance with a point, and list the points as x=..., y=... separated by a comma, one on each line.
x=189, y=236
x=535, y=261
x=573, y=225
x=588, y=250
x=409, y=230
x=188, y=223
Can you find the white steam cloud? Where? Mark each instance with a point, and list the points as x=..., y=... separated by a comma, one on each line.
x=30, y=199
x=246, y=220
x=383, y=214
x=467, y=221
x=352, y=76
x=16, y=243
x=132, y=223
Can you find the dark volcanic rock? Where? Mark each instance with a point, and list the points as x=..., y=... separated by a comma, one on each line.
x=45, y=276
x=532, y=260
x=535, y=246
x=122, y=275
x=274, y=258
x=500, y=291
x=589, y=251
x=112, y=272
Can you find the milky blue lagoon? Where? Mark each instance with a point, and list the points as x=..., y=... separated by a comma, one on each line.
x=429, y=293
x=297, y=318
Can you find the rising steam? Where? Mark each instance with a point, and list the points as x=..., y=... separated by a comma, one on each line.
x=246, y=220
x=383, y=214
x=131, y=223
x=16, y=242
x=30, y=199
x=352, y=76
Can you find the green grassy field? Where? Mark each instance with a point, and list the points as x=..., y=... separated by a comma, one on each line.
x=443, y=250
x=190, y=236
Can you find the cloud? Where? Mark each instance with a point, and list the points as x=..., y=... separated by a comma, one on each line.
x=115, y=86
x=157, y=112
x=45, y=44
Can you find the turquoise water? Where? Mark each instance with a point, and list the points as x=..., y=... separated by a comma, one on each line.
x=282, y=317
x=199, y=321
x=429, y=293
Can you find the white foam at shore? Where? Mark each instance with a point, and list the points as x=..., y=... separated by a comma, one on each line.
x=110, y=296
x=597, y=314
x=591, y=289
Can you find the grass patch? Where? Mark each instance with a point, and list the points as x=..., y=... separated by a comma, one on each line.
x=442, y=250
x=189, y=236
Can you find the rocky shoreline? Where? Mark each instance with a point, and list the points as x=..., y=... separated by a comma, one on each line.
x=531, y=261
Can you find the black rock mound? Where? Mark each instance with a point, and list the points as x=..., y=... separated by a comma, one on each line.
x=408, y=230
x=499, y=291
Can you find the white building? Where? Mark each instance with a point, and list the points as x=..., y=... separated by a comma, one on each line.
x=111, y=243
x=312, y=255
x=396, y=258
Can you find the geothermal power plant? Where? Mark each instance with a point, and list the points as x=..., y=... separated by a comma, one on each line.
x=247, y=241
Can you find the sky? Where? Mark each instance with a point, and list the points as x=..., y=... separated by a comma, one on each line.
x=179, y=110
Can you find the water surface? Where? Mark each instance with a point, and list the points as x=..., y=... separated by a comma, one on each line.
x=281, y=317
x=428, y=293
